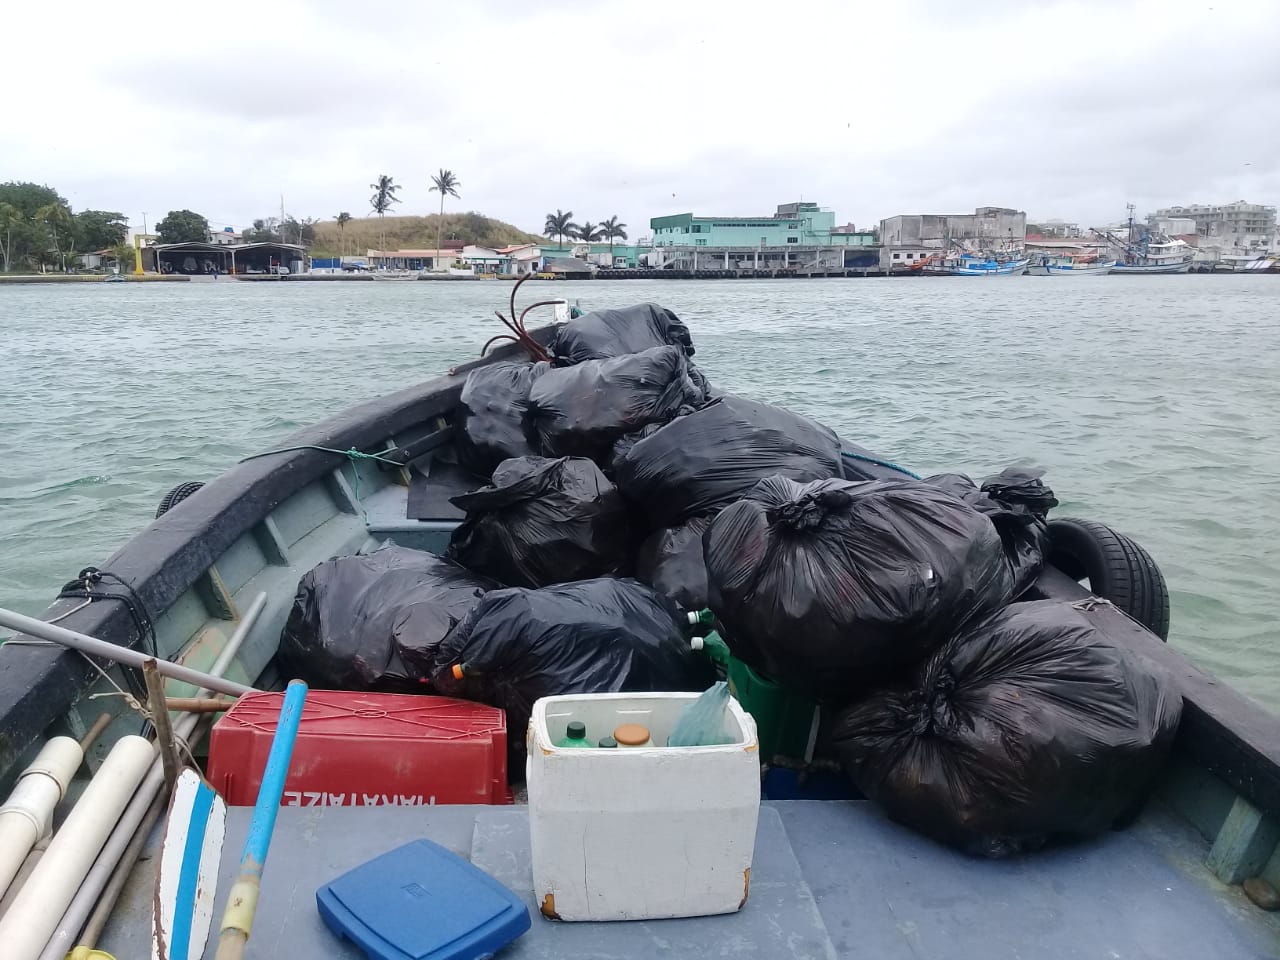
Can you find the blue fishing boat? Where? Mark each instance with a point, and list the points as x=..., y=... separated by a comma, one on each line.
x=976, y=265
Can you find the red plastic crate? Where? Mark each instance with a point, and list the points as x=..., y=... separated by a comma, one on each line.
x=366, y=749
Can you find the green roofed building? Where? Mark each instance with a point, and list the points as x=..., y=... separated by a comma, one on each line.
x=801, y=224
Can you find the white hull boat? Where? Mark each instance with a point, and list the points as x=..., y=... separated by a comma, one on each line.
x=1167, y=266
x=1069, y=267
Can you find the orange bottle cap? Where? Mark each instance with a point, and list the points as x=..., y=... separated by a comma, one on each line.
x=457, y=671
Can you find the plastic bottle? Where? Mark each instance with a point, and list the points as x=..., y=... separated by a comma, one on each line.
x=632, y=735
x=713, y=646
x=700, y=618
x=575, y=735
x=608, y=742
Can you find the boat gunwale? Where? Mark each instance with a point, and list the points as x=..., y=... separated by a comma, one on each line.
x=39, y=683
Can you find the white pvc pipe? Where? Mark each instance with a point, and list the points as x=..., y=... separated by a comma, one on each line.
x=34, y=913
x=96, y=880
x=28, y=813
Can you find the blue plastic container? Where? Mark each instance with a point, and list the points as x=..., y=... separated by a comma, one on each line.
x=422, y=902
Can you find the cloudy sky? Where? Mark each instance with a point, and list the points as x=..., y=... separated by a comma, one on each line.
x=1066, y=110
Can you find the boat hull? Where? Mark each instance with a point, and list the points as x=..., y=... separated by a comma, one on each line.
x=1133, y=268
x=1013, y=268
x=1059, y=270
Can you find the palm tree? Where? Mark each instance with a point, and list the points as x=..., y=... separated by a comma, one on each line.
x=611, y=228
x=588, y=232
x=560, y=224
x=384, y=195
x=10, y=217
x=55, y=215
x=342, y=220
x=446, y=183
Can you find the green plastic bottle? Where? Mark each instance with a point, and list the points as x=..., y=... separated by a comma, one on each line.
x=713, y=646
x=700, y=618
x=575, y=735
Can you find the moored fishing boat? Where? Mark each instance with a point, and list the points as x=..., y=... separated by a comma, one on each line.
x=974, y=265
x=213, y=579
x=1070, y=265
x=1141, y=251
x=1155, y=256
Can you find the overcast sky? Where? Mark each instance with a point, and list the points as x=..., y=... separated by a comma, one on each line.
x=1065, y=110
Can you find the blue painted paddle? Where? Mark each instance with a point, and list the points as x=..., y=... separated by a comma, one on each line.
x=237, y=920
x=187, y=878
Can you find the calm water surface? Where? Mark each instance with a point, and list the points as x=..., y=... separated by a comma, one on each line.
x=1153, y=402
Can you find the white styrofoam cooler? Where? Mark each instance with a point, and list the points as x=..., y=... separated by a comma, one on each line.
x=644, y=832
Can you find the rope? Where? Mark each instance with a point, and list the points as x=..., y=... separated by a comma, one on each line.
x=352, y=454
x=880, y=463
x=82, y=587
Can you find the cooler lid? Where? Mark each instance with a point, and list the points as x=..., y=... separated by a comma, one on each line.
x=422, y=902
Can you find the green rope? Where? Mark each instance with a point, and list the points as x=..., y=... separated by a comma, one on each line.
x=880, y=463
x=352, y=454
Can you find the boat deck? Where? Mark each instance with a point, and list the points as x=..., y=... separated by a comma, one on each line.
x=830, y=880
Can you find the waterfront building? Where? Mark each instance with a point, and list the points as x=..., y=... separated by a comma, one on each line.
x=797, y=224
x=992, y=226
x=909, y=238
x=425, y=259
x=1236, y=225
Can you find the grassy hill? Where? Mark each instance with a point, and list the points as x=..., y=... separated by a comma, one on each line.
x=415, y=233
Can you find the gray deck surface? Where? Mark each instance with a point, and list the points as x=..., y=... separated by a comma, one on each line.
x=830, y=880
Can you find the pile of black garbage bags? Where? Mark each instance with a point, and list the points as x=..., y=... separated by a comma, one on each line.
x=617, y=491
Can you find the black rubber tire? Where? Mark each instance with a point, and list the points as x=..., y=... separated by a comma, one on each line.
x=177, y=495
x=1116, y=568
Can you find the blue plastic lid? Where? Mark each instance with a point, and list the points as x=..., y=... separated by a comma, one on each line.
x=422, y=902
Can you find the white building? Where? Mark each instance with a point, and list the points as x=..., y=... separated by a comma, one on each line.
x=224, y=237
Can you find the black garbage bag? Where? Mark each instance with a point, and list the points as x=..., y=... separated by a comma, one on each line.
x=613, y=333
x=1017, y=502
x=543, y=521
x=828, y=585
x=714, y=456
x=594, y=636
x=492, y=415
x=1028, y=726
x=373, y=622
x=580, y=411
x=670, y=560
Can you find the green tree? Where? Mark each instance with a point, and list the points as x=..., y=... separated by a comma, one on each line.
x=612, y=230
x=99, y=229
x=588, y=232
x=560, y=224
x=298, y=231
x=384, y=195
x=342, y=220
x=57, y=219
x=27, y=238
x=122, y=253
x=182, y=226
x=446, y=184
x=10, y=218
x=263, y=230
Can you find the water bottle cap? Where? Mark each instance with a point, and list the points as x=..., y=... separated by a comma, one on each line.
x=608, y=742
x=576, y=730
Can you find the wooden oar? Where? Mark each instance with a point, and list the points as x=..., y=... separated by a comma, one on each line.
x=187, y=879
x=242, y=903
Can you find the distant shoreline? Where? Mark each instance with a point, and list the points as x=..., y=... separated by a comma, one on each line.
x=17, y=278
